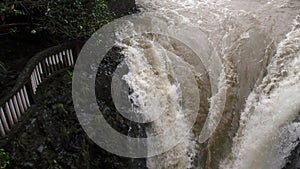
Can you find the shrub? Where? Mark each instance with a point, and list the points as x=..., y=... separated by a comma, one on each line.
x=67, y=18
x=4, y=159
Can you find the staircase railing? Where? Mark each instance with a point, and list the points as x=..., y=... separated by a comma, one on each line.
x=40, y=67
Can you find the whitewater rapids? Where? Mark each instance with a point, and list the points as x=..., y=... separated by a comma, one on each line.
x=246, y=83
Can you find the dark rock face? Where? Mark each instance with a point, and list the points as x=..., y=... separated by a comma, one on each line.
x=121, y=7
x=293, y=161
x=105, y=102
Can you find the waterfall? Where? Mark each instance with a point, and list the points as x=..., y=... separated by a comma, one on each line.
x=241, y=80
x=269, y=110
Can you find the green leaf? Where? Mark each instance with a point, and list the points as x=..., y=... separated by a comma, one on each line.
x=33, y=31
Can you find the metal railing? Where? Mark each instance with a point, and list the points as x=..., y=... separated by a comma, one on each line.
x=40, y=67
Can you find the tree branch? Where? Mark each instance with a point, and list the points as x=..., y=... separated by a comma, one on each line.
x=7, y=26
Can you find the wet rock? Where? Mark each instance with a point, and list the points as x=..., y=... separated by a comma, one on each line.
x=293, y=161
x=41, y=148
x=121, y=7
x=28, y=164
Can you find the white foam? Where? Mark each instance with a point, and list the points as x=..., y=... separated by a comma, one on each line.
x=264, y=138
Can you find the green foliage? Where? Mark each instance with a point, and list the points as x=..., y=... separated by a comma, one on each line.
x=8, y=9
x=4, y=159
x=76, y=18
x=67, y=18
x=70, y=74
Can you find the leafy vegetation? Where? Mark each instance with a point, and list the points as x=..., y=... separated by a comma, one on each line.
x=4, y=159
x=68, y=18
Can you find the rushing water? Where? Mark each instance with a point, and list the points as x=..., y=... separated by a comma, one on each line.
x=245, y=88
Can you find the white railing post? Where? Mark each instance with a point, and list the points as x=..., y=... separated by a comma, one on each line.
x=26, y=96
x=3, y=119
x=41, y=71
x=20, y=102
x=13, y=111
x=24, y=100
x=61, y=60
x=8, y=113
x=38, y=73
x=72, y=57
x=2, y=131
x=16, y=105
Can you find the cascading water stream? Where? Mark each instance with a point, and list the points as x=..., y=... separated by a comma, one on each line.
x=244, y=87
x=269, y=110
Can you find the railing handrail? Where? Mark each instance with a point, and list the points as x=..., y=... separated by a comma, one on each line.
x=24, y=75
x=41, y=66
